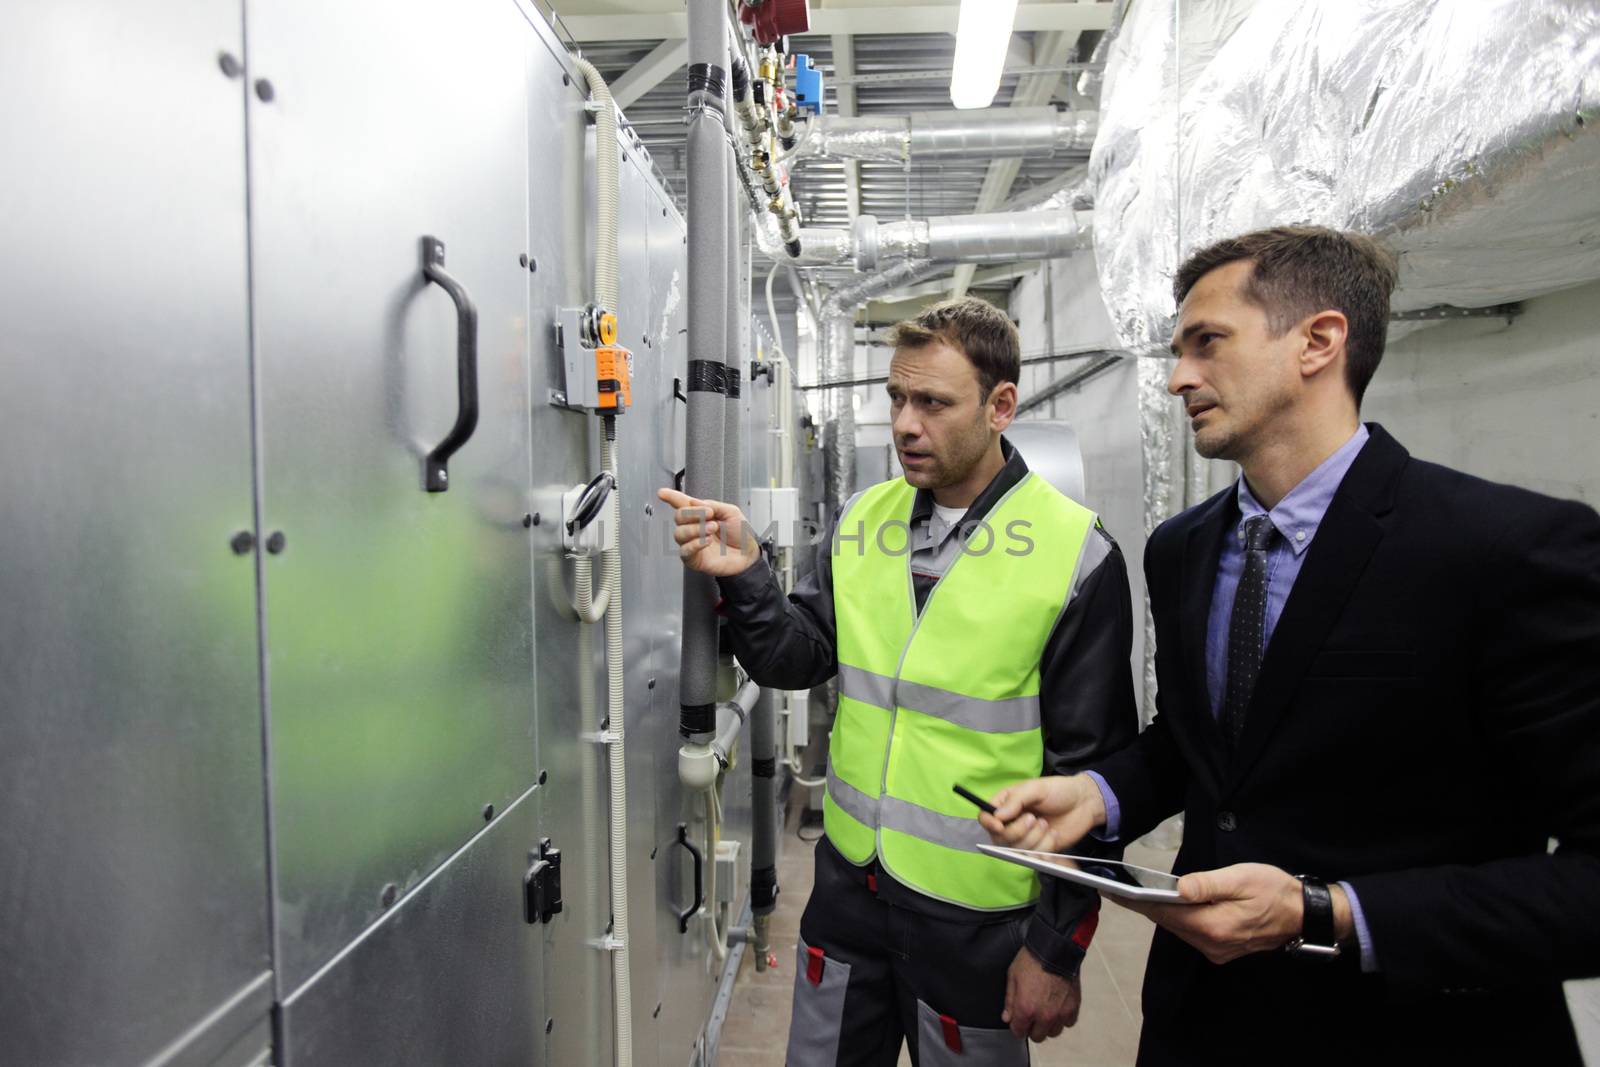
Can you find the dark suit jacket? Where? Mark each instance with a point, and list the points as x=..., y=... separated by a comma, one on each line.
x=1427, y=719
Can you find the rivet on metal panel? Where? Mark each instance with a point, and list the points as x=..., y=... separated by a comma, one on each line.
x=543, y=775
x=657, y=1013
x=264, y=91
x=488, y=813
x=550, y=1024
x=651, y=684
x=276, y=542
x=533, y=264
x=654, y=851
x=229, y=64
x=523, y=259
x=536, y=519
x=527, y=521
x=242, y=542
x=624, y=157
x=566, y=79
x=390, y=892
x=649, y=510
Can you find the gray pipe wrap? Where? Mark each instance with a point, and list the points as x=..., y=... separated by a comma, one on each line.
x=732, y=354
x=708, y=284
x=764, y=803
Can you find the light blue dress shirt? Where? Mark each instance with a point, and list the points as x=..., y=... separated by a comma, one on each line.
x=1296, y=518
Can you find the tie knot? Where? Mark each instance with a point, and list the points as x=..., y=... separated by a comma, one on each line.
x=1259, y=533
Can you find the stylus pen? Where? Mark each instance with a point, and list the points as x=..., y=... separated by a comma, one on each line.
x=967, y=794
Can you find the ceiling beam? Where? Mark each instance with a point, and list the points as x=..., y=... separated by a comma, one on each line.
x=844, y=67
x=888, y=18
x=1052, y=49
x=667, y=57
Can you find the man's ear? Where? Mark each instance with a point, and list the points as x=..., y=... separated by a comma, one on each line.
x=1002, y=405
x=1326, y=334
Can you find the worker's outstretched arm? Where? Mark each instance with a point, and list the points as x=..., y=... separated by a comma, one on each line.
x=785, y=642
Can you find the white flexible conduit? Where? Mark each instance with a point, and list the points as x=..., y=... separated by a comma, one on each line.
x=610, y=604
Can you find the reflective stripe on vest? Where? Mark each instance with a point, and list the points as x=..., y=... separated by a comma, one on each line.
x=950, y=695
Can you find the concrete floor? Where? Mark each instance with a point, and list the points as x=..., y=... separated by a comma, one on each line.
x=1107, y=1034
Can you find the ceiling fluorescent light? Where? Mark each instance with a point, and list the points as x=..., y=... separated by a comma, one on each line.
x=982, y=35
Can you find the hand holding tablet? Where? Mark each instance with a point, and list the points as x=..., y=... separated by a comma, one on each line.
x=1111, y=877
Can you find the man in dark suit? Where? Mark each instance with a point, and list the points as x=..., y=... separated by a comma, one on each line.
x=1376, y=673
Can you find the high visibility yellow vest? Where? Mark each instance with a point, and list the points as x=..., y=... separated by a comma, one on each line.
x=949, y=696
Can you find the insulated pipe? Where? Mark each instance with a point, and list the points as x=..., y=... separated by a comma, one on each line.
x=988, y=133
x=606, y=292
x=709, y=212
x=838, y=348
x=999, y=237
x=732, y=348
x=740, y=707
x=995, y=238
x=764, y=818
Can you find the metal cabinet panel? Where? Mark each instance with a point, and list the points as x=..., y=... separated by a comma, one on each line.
x=132, y=901
x=451, y=975
x=571, y=686
x=399, y=623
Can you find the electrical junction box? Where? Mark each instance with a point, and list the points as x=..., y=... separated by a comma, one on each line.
x=727, y=873
x=799, y=718
x=775, y=513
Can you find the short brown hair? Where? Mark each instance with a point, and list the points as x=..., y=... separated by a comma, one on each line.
x=1299, y=270
x=975, y=328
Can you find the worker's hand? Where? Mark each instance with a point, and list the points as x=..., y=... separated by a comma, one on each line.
x=1045, y=814
x=1249, y=907
x=1039, y=1004
x=713, y=537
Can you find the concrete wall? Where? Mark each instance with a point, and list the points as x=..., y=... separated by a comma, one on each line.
x=1516, y=403
x=1103, y=411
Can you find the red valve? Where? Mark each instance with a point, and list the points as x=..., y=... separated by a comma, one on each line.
x=772, y=19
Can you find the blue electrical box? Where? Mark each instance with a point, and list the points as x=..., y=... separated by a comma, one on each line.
x=807, y=85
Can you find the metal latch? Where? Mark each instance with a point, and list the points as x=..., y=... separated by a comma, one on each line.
x=541, y=886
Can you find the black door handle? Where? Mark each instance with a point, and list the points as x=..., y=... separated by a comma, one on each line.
x=699, y=879
x=436, y=474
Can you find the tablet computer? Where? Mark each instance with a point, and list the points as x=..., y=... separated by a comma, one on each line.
x=1108, y=876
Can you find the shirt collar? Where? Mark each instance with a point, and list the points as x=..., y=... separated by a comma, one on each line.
x=1300, y=512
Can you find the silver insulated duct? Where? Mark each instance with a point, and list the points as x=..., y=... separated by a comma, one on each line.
x=986, y=133
x=1463, y=134
x=997, y=238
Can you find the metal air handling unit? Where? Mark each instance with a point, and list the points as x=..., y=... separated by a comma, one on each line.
x=310, y=755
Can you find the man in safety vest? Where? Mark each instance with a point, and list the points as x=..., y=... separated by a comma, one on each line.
x=980, y=626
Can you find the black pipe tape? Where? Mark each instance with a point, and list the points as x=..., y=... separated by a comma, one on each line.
x=731, y=381
x=793, y=248
x=708, y=78
x=741, y=76
x=764, y=768
x=763, y=888
x=707, y=376
x=697, y=719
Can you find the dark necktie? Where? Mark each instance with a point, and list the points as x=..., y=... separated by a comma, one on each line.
x=1248, y=626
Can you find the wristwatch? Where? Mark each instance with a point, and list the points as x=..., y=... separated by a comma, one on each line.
x=1317, y=939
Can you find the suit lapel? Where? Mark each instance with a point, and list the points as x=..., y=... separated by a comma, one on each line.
x=1201, y=557
x=1345, y=541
